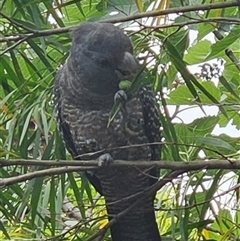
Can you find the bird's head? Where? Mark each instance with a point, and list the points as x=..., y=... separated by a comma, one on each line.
x=102, y=56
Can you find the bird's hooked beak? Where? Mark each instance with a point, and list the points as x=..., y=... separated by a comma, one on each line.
x=128, y=67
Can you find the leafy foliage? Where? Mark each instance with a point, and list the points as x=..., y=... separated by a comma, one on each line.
x=201, y=205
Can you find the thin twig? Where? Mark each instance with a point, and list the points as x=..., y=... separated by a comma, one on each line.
x=38, y=33
x=228, y=52
x=145, y=194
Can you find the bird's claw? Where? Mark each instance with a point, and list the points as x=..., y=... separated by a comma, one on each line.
x=120, y=95
x=104, y=160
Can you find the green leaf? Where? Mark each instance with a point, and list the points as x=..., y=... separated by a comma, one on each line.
x=26, y=125
x=203, y=30
x=52, y=209
x=180, y=41
x=172, y=151
x=224, y=43
x=198, y=52
x=210, y=193
x=77, y=193
x=216, y=142
x=212, y=90
x=4, y=230
x=182, y=68
x=36, y=185
x=228, y=86
x=180, y=96
x=188, y=77
x=203, y=126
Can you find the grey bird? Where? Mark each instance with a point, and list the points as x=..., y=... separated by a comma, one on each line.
x=85, y=89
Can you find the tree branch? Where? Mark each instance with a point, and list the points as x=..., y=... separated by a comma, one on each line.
x=199, y=7
x=74, y=166
x=41, y=33
x=42, y=173
x=163, y=164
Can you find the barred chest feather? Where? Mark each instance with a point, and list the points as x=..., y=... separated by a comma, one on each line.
x=90, y=133
x=125, y=131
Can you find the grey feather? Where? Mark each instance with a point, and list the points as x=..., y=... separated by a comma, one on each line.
x=100, y=57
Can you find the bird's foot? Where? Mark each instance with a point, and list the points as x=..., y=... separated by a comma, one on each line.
x=120, y=96
x=104, y=160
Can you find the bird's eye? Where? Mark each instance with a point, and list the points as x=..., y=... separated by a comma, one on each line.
x=104, y=61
